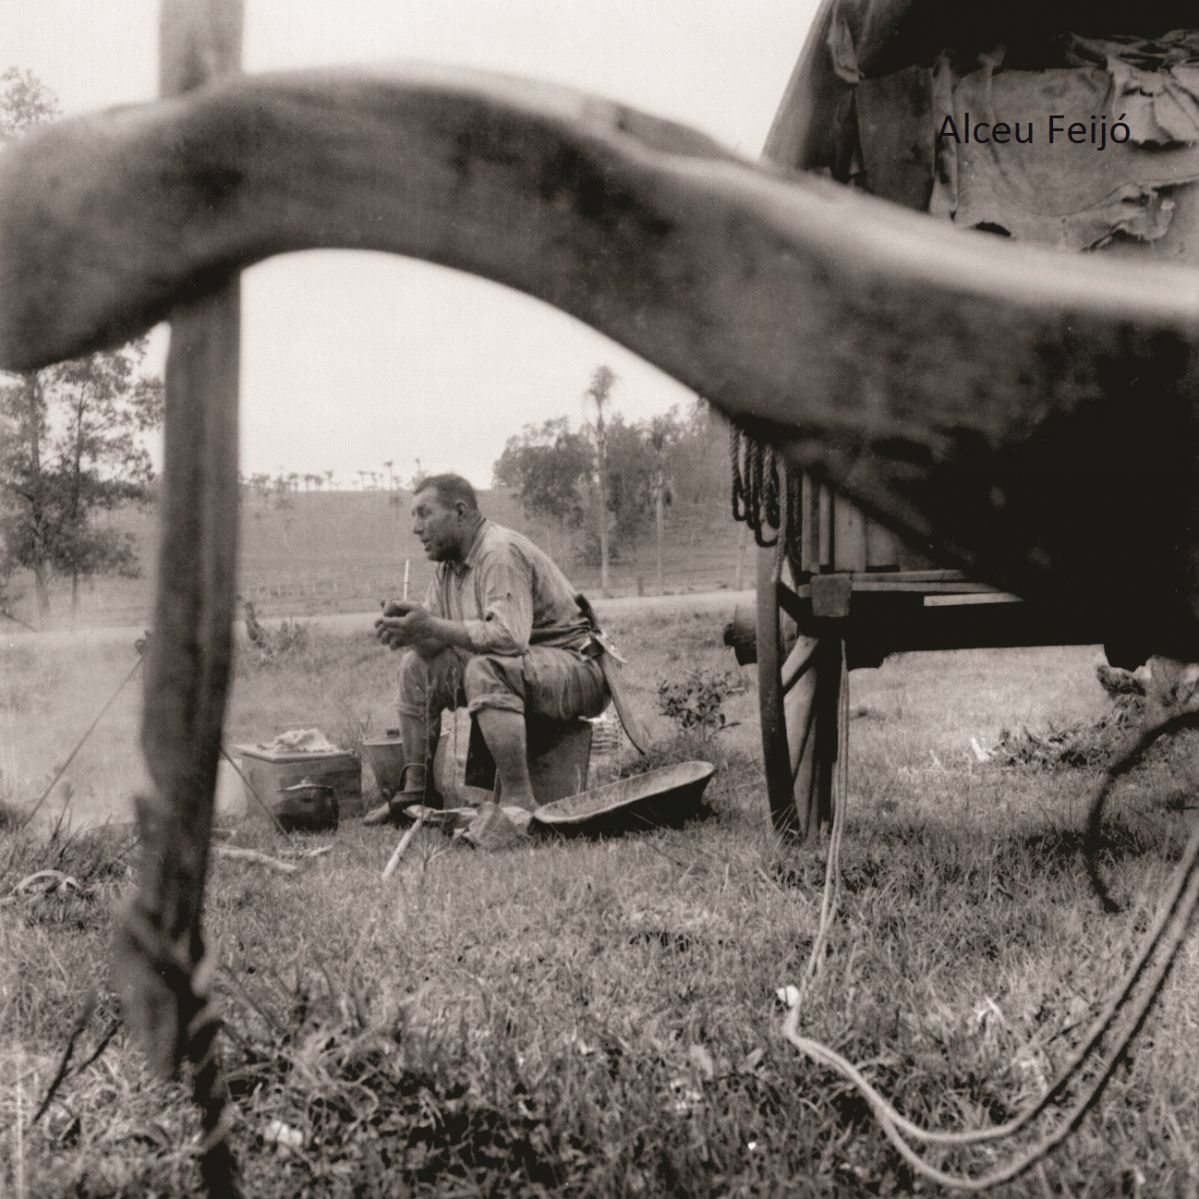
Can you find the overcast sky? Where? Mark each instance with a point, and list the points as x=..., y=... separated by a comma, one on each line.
x=352, y=359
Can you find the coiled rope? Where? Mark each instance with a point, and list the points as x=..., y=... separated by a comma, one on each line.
x=766, y=493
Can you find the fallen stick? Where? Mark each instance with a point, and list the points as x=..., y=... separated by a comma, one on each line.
x=308, y=854
x=50, y=880
x=405, y=841
x=259, y=859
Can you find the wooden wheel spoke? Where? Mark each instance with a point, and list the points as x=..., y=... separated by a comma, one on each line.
x=798, y=678
x=799, y=662
x=789, y=601
x=801, y=725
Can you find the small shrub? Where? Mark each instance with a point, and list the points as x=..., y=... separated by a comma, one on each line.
x=288, y=639
x=694, y=702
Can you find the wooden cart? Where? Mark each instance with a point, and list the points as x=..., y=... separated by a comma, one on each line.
x=837, y=590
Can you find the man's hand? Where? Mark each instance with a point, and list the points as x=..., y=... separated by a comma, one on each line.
x=399, y=607
x=407, y=625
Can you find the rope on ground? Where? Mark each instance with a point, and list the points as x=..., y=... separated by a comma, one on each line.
x=1151, y=967
x=1173, y=723
x=1173, y=919
x=831, y=899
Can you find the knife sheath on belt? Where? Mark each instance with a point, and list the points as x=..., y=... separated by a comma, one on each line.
x=634, y=729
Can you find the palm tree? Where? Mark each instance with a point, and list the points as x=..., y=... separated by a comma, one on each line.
x=659, y=484
x=599, y=391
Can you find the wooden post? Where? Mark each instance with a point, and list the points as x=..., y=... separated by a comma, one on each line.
x=160, y=944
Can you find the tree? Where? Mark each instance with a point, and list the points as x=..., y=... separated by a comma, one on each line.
x=599, y=392
x=630, y=473
x=25, y=102
x=550, y=466
x=660, y=435
x=698, y=457
x=71, y=444
x=260, y=484
x=72, y=448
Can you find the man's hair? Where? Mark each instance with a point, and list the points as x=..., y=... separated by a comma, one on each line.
x=451, y=488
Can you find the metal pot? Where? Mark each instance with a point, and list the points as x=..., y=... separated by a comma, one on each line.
x=307, y=807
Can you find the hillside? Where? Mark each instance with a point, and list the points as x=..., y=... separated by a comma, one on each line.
x=345, y=551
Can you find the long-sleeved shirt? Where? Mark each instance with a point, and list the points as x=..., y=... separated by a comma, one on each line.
x=509, y=593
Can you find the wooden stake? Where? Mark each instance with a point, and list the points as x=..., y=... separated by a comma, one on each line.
x=160, y=947
x=405, y=841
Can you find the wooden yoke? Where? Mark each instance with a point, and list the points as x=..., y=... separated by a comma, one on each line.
x=160, y=947
x=1033, y=415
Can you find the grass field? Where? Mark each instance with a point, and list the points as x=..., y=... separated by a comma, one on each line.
x=344, y=551
x=600, y=1018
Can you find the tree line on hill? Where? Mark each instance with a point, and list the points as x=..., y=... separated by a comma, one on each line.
x=647, y=478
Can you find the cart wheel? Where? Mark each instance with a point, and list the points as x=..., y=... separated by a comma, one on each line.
x=799, y=692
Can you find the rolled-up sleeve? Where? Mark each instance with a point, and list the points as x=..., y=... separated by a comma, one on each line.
x=504, y=588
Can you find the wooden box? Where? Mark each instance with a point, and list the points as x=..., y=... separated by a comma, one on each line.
x=268, y=772
x=559, y=758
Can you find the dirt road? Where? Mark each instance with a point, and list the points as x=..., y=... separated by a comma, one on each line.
x=719, y=603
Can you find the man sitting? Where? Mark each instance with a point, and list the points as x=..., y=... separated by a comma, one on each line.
x=499, y=631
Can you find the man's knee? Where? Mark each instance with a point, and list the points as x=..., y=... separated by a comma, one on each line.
x=429, y=683
x=494, y=681
x=414, y=675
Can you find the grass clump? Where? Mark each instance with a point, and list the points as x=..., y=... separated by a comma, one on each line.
x=269, y=646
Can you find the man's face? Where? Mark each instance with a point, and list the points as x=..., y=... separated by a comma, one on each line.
x=441, y=529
